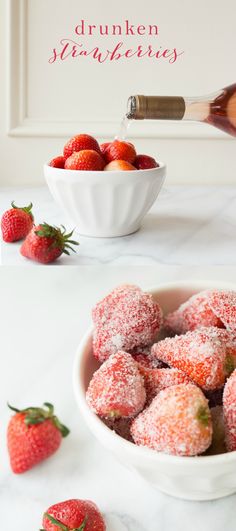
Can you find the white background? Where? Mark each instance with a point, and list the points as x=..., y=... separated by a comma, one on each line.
x=81, y=95
x=43, y=315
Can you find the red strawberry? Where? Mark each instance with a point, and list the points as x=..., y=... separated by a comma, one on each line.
x=229, y=408
x=156, y=380
x=120, y=150
x=144, y=162
x=86, y=160
x=119, y=165
x=117, y=388
x=79, y=143
x=33, y=435
x=202, y=354
x=58, y=162
x=45, y=243
x=16, y=223
x=223, y=304
x=124, y=319
x=192, y=314
x=104, y=146
x=177, y=422
x=75, y=515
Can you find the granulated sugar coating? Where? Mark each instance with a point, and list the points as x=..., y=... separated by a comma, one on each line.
x=117, y=388
x=177, y=422
x=126, y=318
x=201, y=354
x=223, y=304
x=155, y=380
x=192, y=314
x=229, y=408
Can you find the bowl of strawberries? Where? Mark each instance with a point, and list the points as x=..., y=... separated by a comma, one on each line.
x=155, y=380
x=105, y=189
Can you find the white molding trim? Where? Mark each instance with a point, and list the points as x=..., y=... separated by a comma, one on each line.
x=19, y=125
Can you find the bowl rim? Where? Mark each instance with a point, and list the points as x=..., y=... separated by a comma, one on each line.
x=99, y=426
x=52, y=169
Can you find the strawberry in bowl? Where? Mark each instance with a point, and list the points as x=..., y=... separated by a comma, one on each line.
x=106, y=189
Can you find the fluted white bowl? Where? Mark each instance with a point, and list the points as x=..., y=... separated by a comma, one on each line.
x=105, y=203
x=192, y=478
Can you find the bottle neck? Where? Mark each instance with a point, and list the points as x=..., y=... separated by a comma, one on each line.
x=156, y=108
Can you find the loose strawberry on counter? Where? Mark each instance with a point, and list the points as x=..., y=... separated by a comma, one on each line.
x=16, y=223
x=46, y=243
x=33, y=434
x=75, y=515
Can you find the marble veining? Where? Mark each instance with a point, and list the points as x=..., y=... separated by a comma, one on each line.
x=188, y=225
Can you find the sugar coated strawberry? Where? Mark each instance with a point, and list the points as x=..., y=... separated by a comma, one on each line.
x=46, y=243
x=117, y=388
x=79, y=143
x=177, y=422
x=201, y=354
x=124, y=319
x=16, y=223
x=75, y=515
x=223, y=304
x=155, y=380
x=33, y=434
x=229, y=408
x=58, y=162
x=119, y=165
x=86, y=160
x=144, y=162
x=192, y=314
x=120, y=150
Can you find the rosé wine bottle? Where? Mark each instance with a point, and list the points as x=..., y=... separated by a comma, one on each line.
x=218, y=109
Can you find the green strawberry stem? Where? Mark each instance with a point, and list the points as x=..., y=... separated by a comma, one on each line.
x=26, y=209
x=60, y=239
x=229, y=364
x=62, y=526
x=203, y=415
x=37, y=415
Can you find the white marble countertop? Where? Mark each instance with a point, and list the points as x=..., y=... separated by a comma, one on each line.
x=44, y=313
x=186, y=225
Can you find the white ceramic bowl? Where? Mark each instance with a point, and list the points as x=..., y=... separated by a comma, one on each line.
x=192, y=478
x=105, y=203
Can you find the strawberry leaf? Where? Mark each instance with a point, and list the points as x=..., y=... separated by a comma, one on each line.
x=56, y=522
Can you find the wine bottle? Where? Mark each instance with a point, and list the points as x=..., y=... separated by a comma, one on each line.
x=218, y=109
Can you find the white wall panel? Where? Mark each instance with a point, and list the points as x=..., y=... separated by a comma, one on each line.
x=42, y=101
